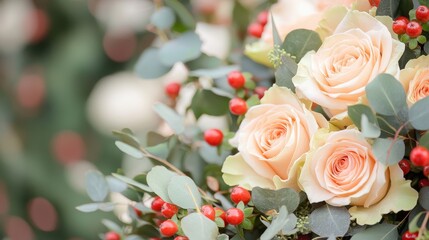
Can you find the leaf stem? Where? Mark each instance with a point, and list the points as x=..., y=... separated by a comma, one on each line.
x=423, y=226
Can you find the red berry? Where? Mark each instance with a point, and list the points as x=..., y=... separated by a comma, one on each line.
x=419, y=156
x=138, y=212
x=409, y=236
x=403, y=18
x=399, y=26
x=260, y=91
x=304, y=237
x=414, y=29
x=112, y=236
x=374, y=3
x=213, y=137
x=157, y=204
x=405, y=165
x=181, y=238
x=263, y=18
x=168, y=228
x=426, y=171
x=172, y=89
x=209, y=212
x=221, y=213
x=236, y=79
x=255, y=29
x=168, y=210
x=239, y=194
x=422, y=13
x=234, y=216
x=424, y=183
x=237, y=106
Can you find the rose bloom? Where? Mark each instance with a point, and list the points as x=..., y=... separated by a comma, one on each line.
x=270, y=140
x=342, y=170
x=290, y=15
x=415, y=79
x=360, y=48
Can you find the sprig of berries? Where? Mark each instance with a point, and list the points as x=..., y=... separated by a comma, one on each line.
x=256, y=28
x=410, y=30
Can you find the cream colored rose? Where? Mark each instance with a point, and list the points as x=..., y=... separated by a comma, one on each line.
x=342, y=170
x=415, y=79
x=335, y=76
x=270, y=140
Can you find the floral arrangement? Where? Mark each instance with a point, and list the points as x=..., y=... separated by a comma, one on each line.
x=326, y=114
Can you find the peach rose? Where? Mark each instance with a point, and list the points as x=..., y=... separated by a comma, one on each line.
x=415, y=79
x=360, y=48
x=270, y=140
x=342, y=170
x=290, y=15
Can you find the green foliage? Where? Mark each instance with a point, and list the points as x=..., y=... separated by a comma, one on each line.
x=266, y=199
x=413, y=226
x=381, y=231
x=186, y=47
x=355, y=112
x=96, y=186
x=388, y=151
x=171, y=117
x=184, y=193
x=300, y=41
x=388, y=8
x=278, y=223
x=213, y=72
x=158, y=180
x=92, y=207
x=182, y=13
x=197, y=226
x=149, y=65
x=133, y=183
x=115, y=185
x=204, y=62
x=424, y=198
x=128, y=149
x=369, y=129
x=419, y=114
x=163, y=18
x=327, y=221
x=207, y=102
x=424, y=140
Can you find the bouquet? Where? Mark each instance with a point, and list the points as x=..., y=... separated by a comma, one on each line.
x=324, y=127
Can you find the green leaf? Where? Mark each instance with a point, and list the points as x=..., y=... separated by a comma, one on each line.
x=149, y=65
x=424, y=2
x=419, y=114
x=413, y=226
x=111, y=225
x=276, y=36
x=386, y=95
x=184, y=193
x=126, y=136
x=128, y=149
x=158, y=180
x=185, y=48
x=369, y=129
x=213, y=72
x=204, y=62
x=252, y=101
x=196, y=226
x=387, y=151
x=381, y=231
x=247, y=224
x=115, y=185
x=424, y=140
x=89, y=207
x=289, y=227
x=195, y=164
x=285, y=72
x=207, y=102
x=330, y=221
x=300, y=41
x=426, y=47
x=132, y=182
x=266, y=199
x=424, y=197
x=356, y=112
x=171, y=117
x=276, y=225
x=388, y=8
x=222, y=236
x=163, y=18
x=406, y=56
x=248, y=211
x=96, y=186
x=183, y=14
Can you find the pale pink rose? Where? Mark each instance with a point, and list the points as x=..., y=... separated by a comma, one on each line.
x=360, y=48
x=415, y=79
x=342, y=170
x=270, y=140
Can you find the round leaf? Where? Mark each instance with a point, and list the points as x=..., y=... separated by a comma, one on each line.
x=300, y=41
x=184, y=193
x=387, y=151
x=96, y=186
x=266, y=199
x=424, y=197
x=382, y=231
x=158, y=179
x=149, y=66
x=329, y=221
x=276, y=225
x=185, y=48
x=196, y=227
x=419, y=114
x=128, y=149
x=163, y=18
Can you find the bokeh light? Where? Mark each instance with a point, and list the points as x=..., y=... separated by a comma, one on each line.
x=68, y=147
x=43, y=214
x=18, y=229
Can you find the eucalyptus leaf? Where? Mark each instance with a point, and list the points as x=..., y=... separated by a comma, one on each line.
x=171, y=117
x=185, y=48
x=276, y=225
x=184, y=192
x=414, y=224
x=381, y=231
x=388, y=151
x=289, y=227
x=424, y=140
x=388, y=8
x=300, y=41
x=111, y=225
x=285, y=72
x=158, y=180
x=107, y=206
x=424, y=198
x=89, y=207
x=96, y=186
x=387, y=96
x=355, y=112
x=163, y=18
x=128, y=149
x=149, y=65
x=115, y=185
x=213, y=72
x=207, y=102
x=368, y=129
x=126, y=136
x=222, y=236
x=276, y=36
x=204, y=62
x=132, y=182
x=183, y=14
x=329, y=221
x=196, y=227
x=267, y=199
x=419, y=114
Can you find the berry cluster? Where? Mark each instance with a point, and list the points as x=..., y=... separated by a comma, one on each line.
x=410, y=30
x=419, y=160
x=256, y=28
